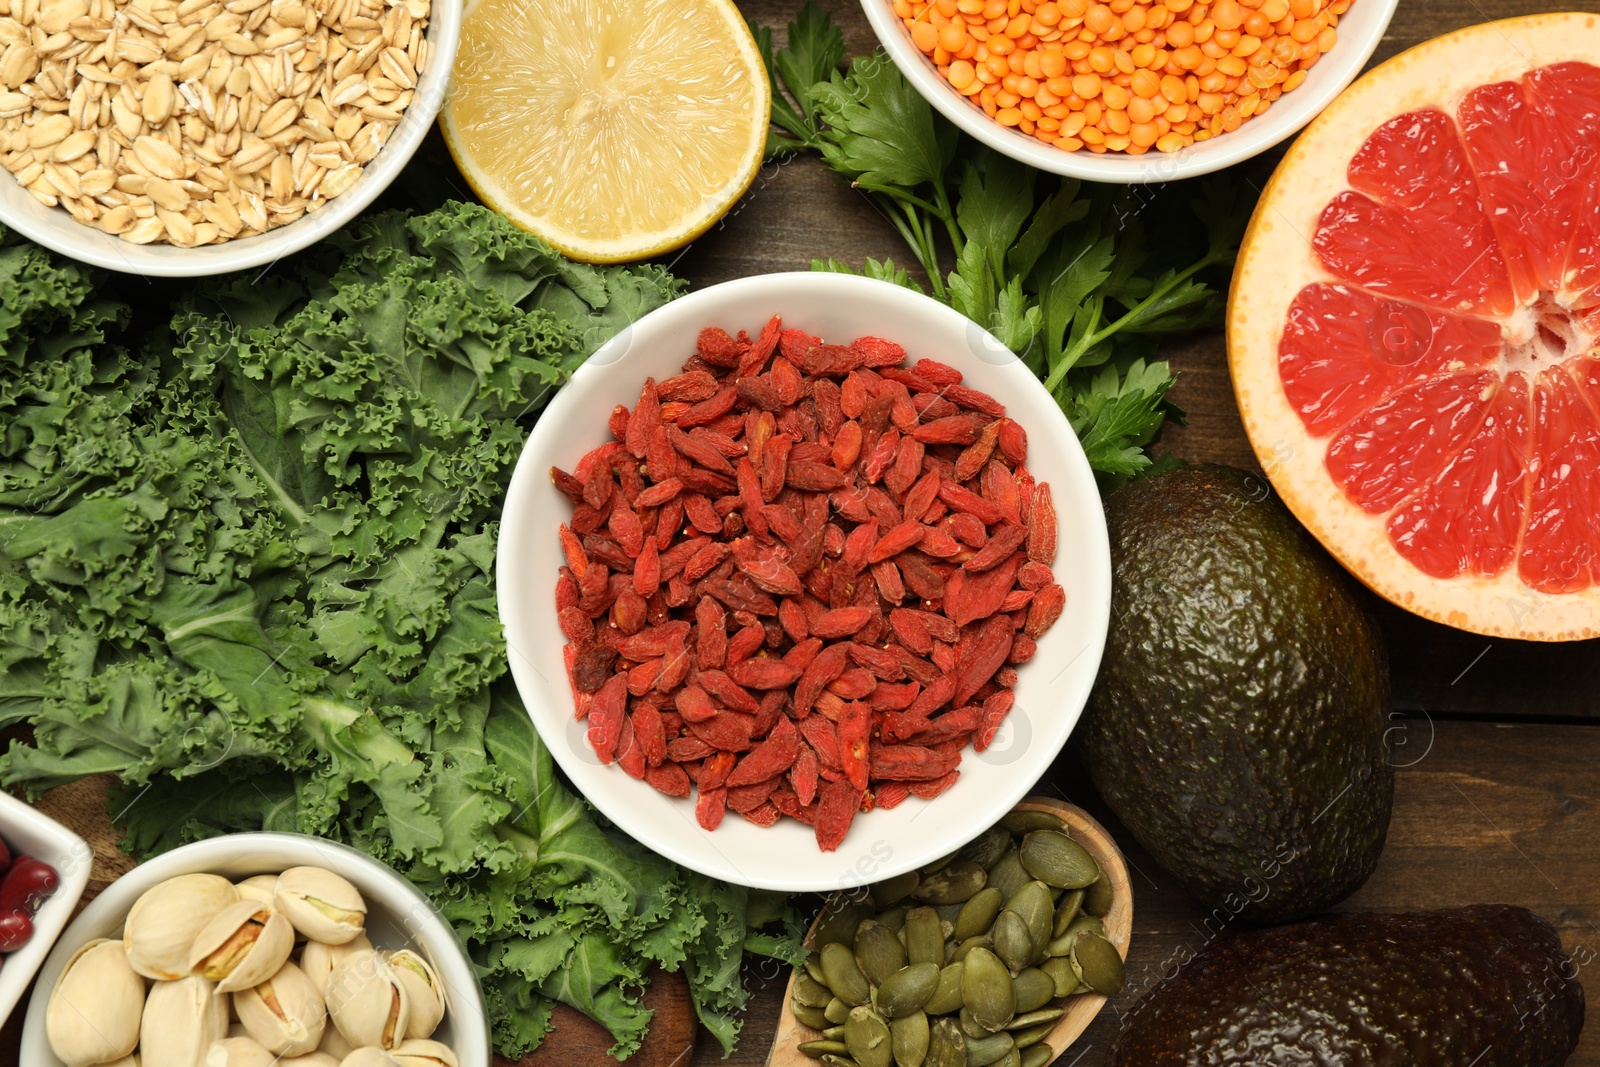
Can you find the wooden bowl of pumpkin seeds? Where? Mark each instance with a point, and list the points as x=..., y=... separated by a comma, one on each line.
x=1001, y=953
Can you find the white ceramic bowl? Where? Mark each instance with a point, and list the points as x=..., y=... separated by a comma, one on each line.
x=1360, y=30
x=28, y=833
x=1052, y=688
x=55, y=229
x=398, y=916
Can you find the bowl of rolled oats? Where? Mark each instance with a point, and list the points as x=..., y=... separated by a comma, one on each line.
x=195, y=137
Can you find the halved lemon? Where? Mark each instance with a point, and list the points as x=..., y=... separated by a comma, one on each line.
x=615, y=130
x=1413, y=324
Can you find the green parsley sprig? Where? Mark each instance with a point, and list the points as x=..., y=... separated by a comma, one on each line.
x=1071, y=277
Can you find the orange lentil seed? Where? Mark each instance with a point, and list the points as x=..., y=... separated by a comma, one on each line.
x=1122, y=75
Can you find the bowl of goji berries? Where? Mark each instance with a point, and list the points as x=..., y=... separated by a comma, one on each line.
x=794, y=562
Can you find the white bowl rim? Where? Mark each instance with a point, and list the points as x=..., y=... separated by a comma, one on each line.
x=1093, y=614
x=274, y=851
x=58, y=231
x=1286, y=117
x=72, y=859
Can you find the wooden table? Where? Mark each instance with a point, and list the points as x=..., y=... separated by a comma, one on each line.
x=1498, y=742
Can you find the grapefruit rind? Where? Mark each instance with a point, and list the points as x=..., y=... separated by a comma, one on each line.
x=550, y=225
x=1277, y=260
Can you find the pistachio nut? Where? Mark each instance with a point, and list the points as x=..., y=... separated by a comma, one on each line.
x=163, y=923
x=93, y=1014
x=423, y=989
x=239, y=1052
x=258, y=887
x=318, y=958
x=243, y=945
x=322, y=905
x=182, y=1019
x=334, y=1044
x=369, y=1057
x=286, y=1013
x=419, y=1053
x=368, y=1003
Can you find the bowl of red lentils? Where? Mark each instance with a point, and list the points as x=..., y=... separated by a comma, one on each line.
x=1130, y=91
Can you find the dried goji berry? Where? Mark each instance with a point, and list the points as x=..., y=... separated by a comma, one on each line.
x=1042, y=526
x=855, y=728
x=763, y=672
x=709, y=807
x=910, y=763
x=930, y=789
x=669, y=778
x=837, y=805
x=763, y=814
x=1046, y=608
x=606, y=716
x=994, y=711
x=770, y=758
x=979, y=654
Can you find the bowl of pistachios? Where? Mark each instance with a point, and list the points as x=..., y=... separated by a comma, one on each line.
x=258, y=949
x=1001, y=952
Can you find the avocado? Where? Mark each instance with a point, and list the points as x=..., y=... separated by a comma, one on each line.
x=1238, y=723
x=1485, y=986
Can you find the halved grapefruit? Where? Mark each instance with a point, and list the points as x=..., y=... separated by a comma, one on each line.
x=1413, y=323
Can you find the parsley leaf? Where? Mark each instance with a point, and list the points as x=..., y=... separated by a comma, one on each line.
x=816, y=48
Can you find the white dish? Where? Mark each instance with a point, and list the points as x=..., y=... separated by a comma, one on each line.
x=29, y=833
x=1052, y=688
x=398, y=916
x=1360, y=29
x=57, y=230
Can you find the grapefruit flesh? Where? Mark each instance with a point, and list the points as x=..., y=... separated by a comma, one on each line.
x=1414, y=321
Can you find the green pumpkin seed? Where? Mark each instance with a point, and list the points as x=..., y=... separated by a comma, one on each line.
x=1023, y=822
x=924, y=936
x=947, y=912
x=986, y=989
x=952, y=884
x=867, y=1036
x=1098, y=897
x=986, y=847
x=940, y=863
x=812, y=1017
x=810, y=992
x=908, y=989
x=1032, y=1035
x=978, y=914
x=1034, y=904
x=1097, y=964
x=947, y=994
x=983, y=1051
x=1008, y=875
x=1059, y=968
x=947, y=1045
x=1034, y=1018
x=894, y=890
x=833, y=1059
x=1055, y=858
x=893, y=918
x=977, y=941
x=839, y=925
x=908, y=1039
x=1037, y=1056
x=843, y=976
x=837, y=1011
x=1067, y=910
x=879, y=952
x=1012, y=942
x=1010, y=1059
x=834, y=1033
x=971, y=1027
x=1083, y=924
x=815, y=1049
x=1035, y=989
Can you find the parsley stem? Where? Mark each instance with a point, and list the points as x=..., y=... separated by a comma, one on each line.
x=1070, y=358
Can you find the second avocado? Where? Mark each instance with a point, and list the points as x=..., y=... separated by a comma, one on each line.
x=1238, y=724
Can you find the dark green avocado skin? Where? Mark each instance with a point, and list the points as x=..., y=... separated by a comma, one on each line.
x=1238, y=723
x=1485, y=986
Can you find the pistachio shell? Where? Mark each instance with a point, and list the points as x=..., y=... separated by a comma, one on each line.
x=93, y=1014
x=258, y=887
x=334, y=1044
x=163, y=923
x=239, y=1052
x=318, y=958
x=368, y=1003
x=285, y=1013
x=310, y=1059
x=243, y=945
x=182, y=1019
x=321, y=904
x=369, y=1057
x=423, y=989
x=418, y=1053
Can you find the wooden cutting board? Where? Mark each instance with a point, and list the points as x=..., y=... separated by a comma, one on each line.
x=575, y=1041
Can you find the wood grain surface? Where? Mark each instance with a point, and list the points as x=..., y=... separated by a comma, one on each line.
x=1498, y=742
